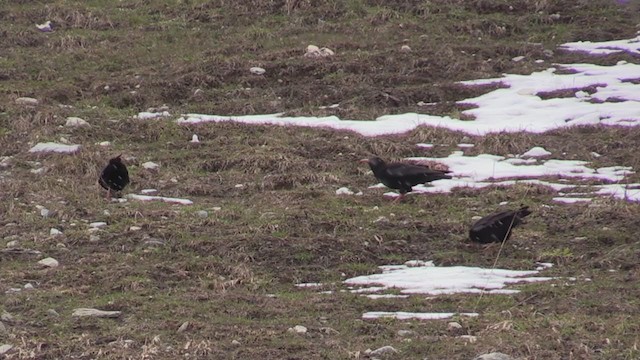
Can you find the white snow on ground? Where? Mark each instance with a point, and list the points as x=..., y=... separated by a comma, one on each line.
x=486, y=170
x=54, y=147
x=438, y=280
x=537, y=151
x=152, y=115
x=401, y=315
x=160, y=198
x=606, y=47
x=515, y=107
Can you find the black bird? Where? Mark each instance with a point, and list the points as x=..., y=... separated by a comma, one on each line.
x=497, y=226
x=114, y=176
x=402, y=176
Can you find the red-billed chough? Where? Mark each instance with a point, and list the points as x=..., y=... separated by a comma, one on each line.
x=114, y=176
x=401, y=176
x=497, y=226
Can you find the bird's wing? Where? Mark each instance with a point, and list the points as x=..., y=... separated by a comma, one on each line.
x=399, y=170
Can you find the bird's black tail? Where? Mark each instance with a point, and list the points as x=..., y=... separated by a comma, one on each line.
x=523, y=211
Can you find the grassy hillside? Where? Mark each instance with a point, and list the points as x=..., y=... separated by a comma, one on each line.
x=231, y=275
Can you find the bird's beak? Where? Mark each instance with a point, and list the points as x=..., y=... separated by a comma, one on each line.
x=364, y=161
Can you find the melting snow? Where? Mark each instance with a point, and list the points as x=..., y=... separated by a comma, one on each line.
x=437, y=280
x=159, y=198
x=537, y=151
x=54, y=147
x=401, y=315
x=606, y=47
x=152, y=115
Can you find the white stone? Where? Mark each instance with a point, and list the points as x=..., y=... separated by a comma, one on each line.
x=28, y=286
x=469, y=338
x=202, y=213
x=27, y=101
x=453, y=326
x=94, y=238
x=383, y=351
x=81, y=312
x=5, y=348
x=518, y=58
x=104, y=143
x=55, y=232
x=183, y=327
x=257, y=70
x=194, y=139
x=344, y=191
x=54, y=147
x=149, y=165
x=45, y=213
x=494, y=356
x=97, y=224
x=12, y=244
x=76, y=122
x=135, y=228
x=298, y=329
x=405, y=48
x=49, y=262
x=235, y=343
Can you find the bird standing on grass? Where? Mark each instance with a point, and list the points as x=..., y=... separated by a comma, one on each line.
x=114, y=176
x=497, y=226
x=402, y=176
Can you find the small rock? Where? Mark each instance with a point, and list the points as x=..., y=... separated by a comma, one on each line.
x=45, y=213
x=149, y=165
x=469, y=338
x=383, y=351
x=98, y=224
x=202, y=214
x=216, y=208
x=104, y=143
x=45, y=27
x=298, y=329
x=135, y=228
x=554, y=16
x=154, y=242
x=52, y=312
x=194, y=139
x=12, y=244
x=405, y=48
x=257, y=70
x=405, y=333
x=494, y=356
x=5, y=349
x=344, y=191
x=453, y=326
x=27, y=101
x=235, y=343
x=184, y=327
x=82, y=312
x=329, y=331
x=49, y=262
x=94, y=238
x=547, y=52
x=3, y=329
x=55, y=232
x=28, y=286
x=476, y=218
x=518, y=58
x=76, y=122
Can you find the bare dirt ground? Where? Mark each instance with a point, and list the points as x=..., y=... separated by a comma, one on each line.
x=232, y=275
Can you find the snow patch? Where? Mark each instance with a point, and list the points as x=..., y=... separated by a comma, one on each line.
x=54, y=147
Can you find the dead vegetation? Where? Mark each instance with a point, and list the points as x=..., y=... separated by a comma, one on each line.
x=273, y=218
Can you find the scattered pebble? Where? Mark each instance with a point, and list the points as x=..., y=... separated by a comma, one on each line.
x=27, y=101
x=49, y=262
x=469, y=338
x=55, y=232
x=5, y=348
x=298, y=329
x=184, y=327
x=82, y=312
x=202, y=213
x=149, y=165
x=595, y=154
x=316, y=52
x=344, y=191
x=97, y=224
x=94, y=238
x=235, y=342
x=45, y=212
x=104, y=143
x=45, y=27
x=383, y=351
x=28, y=286
x=12, y=244
x=76, y=122
x=405, y=333
x=405, y=48
x=494, y=356
x=52, y=312
x=54, y=147
x=145, y=115
x=518, y=58
x=257, y=70
x=135, y=228
x=452, y=326
x=194, y=139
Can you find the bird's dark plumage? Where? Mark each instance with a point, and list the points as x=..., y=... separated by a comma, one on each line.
x=497, y=227
x=402, y=176
x=114, y=176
